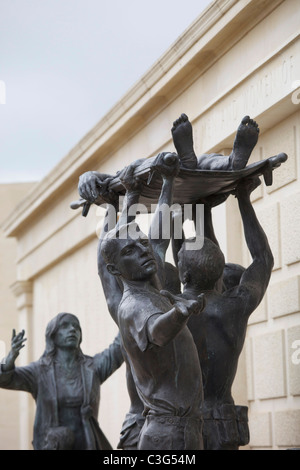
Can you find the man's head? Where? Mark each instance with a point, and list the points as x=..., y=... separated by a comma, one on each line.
x=202, y=268
x=128, y=253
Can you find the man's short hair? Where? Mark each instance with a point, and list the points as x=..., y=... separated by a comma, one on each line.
x=208, y=262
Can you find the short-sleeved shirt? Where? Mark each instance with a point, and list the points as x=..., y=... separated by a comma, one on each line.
x=168, y=378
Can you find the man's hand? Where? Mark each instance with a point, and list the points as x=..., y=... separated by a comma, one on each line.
x=184, y=306
x=246, y=186
x=93, y=184
x=131, y=182
x=166, y=164
x=214, y=200
x=17, y=343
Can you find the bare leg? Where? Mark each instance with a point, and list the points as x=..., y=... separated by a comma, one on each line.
x=245, y=141
x=182, y=133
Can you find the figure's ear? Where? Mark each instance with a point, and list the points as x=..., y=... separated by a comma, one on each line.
x=111, y=268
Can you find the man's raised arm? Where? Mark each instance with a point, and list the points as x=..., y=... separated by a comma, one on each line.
x=111, y=288
x=255, y=279
x=167, y=164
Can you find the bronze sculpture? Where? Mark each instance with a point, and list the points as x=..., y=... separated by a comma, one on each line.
x=65, y=384
x=232, y=292
x=211, y=174
x=181, y=349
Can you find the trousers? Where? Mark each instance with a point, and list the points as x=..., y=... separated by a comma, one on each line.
x=225, y=427
x=168, y=432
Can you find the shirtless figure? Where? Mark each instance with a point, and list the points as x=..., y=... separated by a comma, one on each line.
x=232, y=291
x=219, y=332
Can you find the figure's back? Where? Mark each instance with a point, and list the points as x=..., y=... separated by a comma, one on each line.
x=219, y=333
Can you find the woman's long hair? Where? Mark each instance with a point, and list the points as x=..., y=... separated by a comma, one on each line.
x=51, y=330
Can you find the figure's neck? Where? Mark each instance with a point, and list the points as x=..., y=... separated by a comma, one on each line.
x=66, y=356
x=140, y=284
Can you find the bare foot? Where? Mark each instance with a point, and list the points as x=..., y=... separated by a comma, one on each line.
x=182, y=133
x=245, y=141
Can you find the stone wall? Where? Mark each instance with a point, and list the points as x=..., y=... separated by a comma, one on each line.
x=273, y=340
x=10, y=196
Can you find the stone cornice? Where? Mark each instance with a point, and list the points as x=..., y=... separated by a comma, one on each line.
x=21, y=287
x=23, y=293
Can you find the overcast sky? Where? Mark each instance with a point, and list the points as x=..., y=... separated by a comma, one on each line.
x=65, y=63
